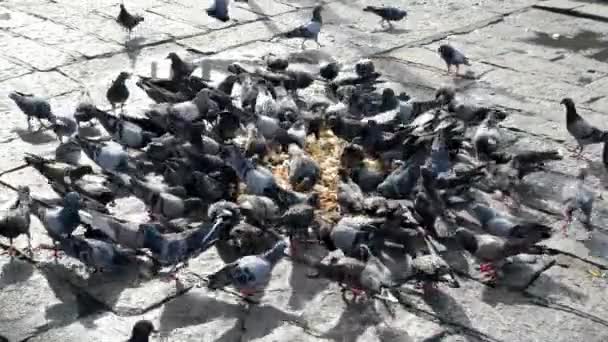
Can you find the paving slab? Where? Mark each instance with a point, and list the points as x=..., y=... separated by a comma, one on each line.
x=571, y=283
x=30, y=52
x=76, y=42
x=9, y=69
x=32, y=300
x=13, y=18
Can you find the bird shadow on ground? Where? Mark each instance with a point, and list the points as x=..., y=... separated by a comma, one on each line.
x=551, y=286
x=354, y=321
x=303, y=288
x=195, y=308
x=133, y=48
x=15, y=271
x=447, y=308
x=39, y=137
x=391, y=31
x=104, y=287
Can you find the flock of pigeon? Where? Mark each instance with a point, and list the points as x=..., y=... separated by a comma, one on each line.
x=212, y=146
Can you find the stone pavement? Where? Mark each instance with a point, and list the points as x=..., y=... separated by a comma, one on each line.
x=527, y=55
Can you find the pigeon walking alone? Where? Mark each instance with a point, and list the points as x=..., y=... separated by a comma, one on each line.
x=33, y=107
x=451, y=56
x=118, y=92
x=387, y=14
x=249, y=274
x=127, y=20
x=580, y=129
x=309, y=30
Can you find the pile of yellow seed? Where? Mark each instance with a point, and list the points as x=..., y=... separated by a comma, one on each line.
x=326, y=152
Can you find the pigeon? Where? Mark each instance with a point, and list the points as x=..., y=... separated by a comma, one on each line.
x=580, y=129
x=15, y=220
x=255, y=145
x=259, y=210
x=68, y=152
x=180, y=69
x=118, y=93
x=491, y=249
x=329, y=71
x=400, y=183
x=499, y=224
x=451, y=56
x=64, y=127
x=297, y=219
x=219, y=10
x=61, y=221
x=124, y=132
x=431, y=268
x=125, y=233
x=348, y=234
x=141, y=331
x=304, y=172
x=577, y=196
x=487, y=138
x=33, y=107
x=96, y=254
x=111, y=157
x=168, y=90
x=276, y=63
x=249, y=274
x=127, y=20
x=309, y=30
x=161, y=202
x=176, y=248
x=387, y=14
x=350, y=196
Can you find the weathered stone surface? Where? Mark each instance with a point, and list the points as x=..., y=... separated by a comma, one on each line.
x=594, y=9
x=32, y=53
x=12, y=18
x=561, y=4
x=10, y=69
x=73, y=41
x=266, y=7
x=571, y=283
x=32, y=300
x=218, y=40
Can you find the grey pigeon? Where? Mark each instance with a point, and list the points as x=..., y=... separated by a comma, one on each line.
x=491, y=249
x=275, y=63
x=387, y=13
x=499, y=224
x=169, y=90
x=309, y=30
x=172, y=249
x=68, y=152
x=400, y=183
x=124, y=132
x=15, y=220
x=180, y=69
x=33, y=107
x=350, y=196
x=60, y=222
x=118, y=93
x=96, y=254
x=487, y=138
x=260, y=210
x=577, y=196
x=127, y=20
x=110, y=156
x=125, y=233
x=141, y=331
x=451, y=56
x=255, y=145
x=304, y=172
x=431, y=268
x=64, y=127
x=259, y=180
x=161, y=202
x=580, y=129
x=297, y=219
x=249, y=274
x=329, y=71
x=348, y=234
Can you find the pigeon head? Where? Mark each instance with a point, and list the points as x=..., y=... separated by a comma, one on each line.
x=23, y=190
x=276, y=252
x=72, y=200
x=124, y=75
x=364, y=253
x=466, y=239
x=352, y=155
x=388, y=95
x=173, y=57
x=365, y=68
x=142, y=331
x=445, y=94
x=567, y=102
x=445, y=49
x=316, y=13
